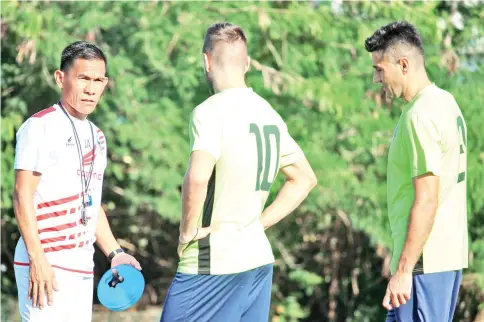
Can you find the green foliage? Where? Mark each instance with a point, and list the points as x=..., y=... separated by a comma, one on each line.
x=306, y=280
x=290, y=311
x=309, y=62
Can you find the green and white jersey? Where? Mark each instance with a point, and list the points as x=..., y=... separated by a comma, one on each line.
x=430, y=137
x=250, y=143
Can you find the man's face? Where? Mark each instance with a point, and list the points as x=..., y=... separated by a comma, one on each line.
x=389, y=74
x=83, y=84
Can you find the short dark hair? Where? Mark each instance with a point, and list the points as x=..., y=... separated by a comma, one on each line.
x=392, y=34
x=80, y=50
x=223, y=32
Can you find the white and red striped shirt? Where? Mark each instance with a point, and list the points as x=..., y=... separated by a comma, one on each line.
x=46, y=143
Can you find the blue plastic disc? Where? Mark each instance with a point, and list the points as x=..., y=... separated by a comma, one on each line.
x=119, y=293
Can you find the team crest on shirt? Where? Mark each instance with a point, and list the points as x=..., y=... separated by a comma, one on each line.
x=101, y=141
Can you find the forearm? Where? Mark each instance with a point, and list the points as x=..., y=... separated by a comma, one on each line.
x=193, y=196
x=104, y=236
x=289, y=198
x=419, y=227
x=27, y=222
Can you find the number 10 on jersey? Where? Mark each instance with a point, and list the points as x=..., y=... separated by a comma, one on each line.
x=266, y=160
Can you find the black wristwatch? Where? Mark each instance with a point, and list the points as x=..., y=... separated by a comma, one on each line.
x=114, y=253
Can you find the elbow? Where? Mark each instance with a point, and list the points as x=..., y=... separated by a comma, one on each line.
x=196, y=180
x=21, y=192
x=21, y=197
x=304, y=180
x=313, y=181
x=432, y=209
x=16, y=197
x=310, y=181
x=426, y=209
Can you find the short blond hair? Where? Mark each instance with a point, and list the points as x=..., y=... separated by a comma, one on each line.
x=223, y=32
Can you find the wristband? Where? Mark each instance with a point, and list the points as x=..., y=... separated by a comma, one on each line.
x=114, y=253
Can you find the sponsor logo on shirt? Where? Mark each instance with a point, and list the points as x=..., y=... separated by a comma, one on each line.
x=70, y=142
x=93, y=175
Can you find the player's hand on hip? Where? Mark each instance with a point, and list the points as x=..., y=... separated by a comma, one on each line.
x=42, y=282
x=123, y=258
x=186, y=239
x=398, y=290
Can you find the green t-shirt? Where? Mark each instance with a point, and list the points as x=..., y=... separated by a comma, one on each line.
x=430, y=137
x=250, y=143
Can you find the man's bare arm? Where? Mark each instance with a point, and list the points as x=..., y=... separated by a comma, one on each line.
x=194, y=192
x=107, y=243
x=26, y=183
x=300, y=180
x=41, y=276
x=104, y=236
x=421, y=221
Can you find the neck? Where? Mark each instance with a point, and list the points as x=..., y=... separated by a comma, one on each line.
x=72, y=111
x=224, y=82
x=420, y=82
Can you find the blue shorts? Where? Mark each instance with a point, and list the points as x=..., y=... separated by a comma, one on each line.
x=243, y=297
x=433, y=298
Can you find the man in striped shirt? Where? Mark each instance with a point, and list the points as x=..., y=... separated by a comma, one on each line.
x=59, y=168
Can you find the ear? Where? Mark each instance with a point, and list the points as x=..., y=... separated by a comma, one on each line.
x=59, y=78
x=404, y=65
x=247, y=64
x=206, y=62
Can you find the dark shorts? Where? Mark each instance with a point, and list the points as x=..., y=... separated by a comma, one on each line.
x=433, y=298
x=241, y=297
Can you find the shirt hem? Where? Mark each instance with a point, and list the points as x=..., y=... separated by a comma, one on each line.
x=291, y=159
x=25, y=167
x=419, y=172
x=215, y=155
x=195, y=271
x=59, y=267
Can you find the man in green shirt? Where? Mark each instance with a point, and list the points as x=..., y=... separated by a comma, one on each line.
x=426, y=182
x=238, y=145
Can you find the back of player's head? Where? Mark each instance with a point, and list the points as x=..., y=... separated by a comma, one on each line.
x=225, y=45
x=394, y=38
x=223, y=33
x=80, y=50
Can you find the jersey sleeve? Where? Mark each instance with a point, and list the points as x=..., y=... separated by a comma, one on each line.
x=424, y=145
x=30, y=152
x=290, y=150
x=205, y=132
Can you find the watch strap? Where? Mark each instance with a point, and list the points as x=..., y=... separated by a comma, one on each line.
x=114, y=253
